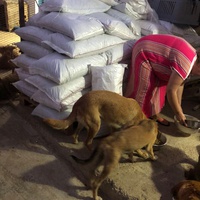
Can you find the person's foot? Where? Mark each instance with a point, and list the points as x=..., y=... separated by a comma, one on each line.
x=160, y=120
x=163, y=121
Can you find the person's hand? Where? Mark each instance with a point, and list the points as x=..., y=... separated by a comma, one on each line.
x=182, y=119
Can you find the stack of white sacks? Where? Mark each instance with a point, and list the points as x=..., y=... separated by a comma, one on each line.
x=73, y=46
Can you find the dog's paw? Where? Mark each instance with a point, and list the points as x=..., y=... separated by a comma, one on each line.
x=75, y=141
x=154, y=157
x=75, y=138
x=145, y=155
x=98, y=198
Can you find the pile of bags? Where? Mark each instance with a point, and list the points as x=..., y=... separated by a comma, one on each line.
x=73, y=46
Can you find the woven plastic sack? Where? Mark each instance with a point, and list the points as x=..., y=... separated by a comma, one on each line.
x=109, y=77
x=74, y=6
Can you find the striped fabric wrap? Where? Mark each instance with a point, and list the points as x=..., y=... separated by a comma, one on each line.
x=153, y=59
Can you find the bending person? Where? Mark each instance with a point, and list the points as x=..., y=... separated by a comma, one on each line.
x=159, y=66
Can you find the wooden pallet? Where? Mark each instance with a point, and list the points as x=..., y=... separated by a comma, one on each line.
x=11, y=14
x=4, y=73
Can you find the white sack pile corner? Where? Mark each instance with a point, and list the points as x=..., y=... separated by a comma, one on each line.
x=73, y=46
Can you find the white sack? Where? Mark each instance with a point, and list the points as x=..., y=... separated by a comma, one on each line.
x=148, y=28
x=23, y=61
x=46, y=112
x=67, y=103
x=121, y=52
x=22, y=74
x=126, y=8
x=61, y=69
x=75, y=26
x=32, y=49
x=128, y=20
x=153, y=16
x=178, y=30
x=34, y=19
x=109, y=77
x=58, y=93
x=71, y=100
x=40, y=82
x=25, y=87
x=74, y=6
x=139, y=6
x=82, y=48
x=114, y=26
x=43, y=99
x=110, y=2
x=33, y=34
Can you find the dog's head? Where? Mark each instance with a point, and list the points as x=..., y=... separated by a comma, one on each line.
x=56, y=124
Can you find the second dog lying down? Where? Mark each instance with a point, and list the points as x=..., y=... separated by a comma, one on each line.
x=186, y=190
x=112, y=147
x=190, y=188
x=118, y=112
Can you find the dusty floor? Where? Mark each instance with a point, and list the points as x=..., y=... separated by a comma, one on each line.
x=35, y=162
x=31, y=167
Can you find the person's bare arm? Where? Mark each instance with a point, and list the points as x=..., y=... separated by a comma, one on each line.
x=174, y=95
x=180, y=93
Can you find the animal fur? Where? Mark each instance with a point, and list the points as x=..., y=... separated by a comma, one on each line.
x=118, y=112
x=187, y=190
x=112, y=147
x=6, y=54
x=190, y=188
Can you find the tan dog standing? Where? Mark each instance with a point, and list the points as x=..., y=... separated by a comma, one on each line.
x=118, y=112
x=112, y=147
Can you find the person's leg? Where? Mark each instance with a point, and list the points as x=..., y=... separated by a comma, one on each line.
x=141, y=81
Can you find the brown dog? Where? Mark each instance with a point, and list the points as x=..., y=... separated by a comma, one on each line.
x=187, y=190
x=190, y=188
x=111, y=148
x=118, y=112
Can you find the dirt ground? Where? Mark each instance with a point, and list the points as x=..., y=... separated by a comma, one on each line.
x=35, y=161
x=30, y=168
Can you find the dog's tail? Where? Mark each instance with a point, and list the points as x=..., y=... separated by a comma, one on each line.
x=90, y=159
x=61, y=124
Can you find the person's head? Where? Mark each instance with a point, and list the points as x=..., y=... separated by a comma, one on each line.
x=196, y=66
